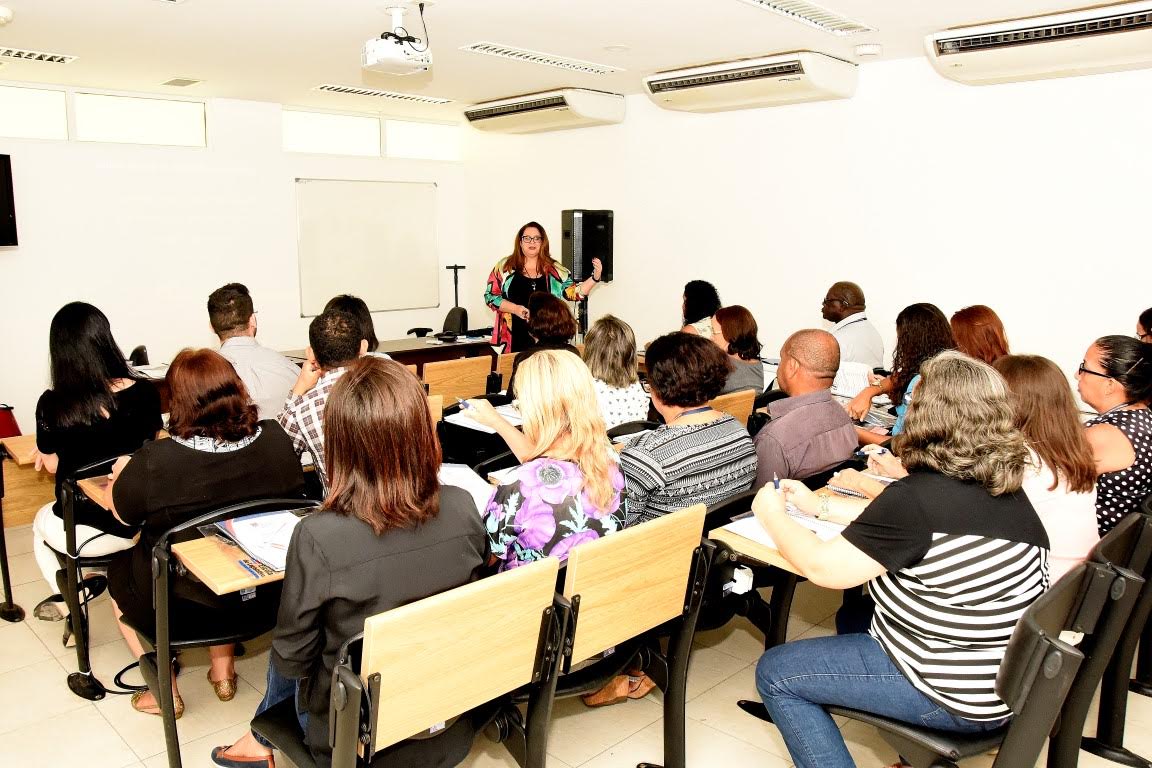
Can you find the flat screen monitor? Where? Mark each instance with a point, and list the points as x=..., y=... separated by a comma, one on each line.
x=7, y=203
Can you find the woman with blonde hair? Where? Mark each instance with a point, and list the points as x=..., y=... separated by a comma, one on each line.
x=953, y=554
x=568, y=489
x=610, y=352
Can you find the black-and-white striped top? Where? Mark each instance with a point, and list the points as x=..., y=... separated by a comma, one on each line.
x=963, y=566
x=674, y=467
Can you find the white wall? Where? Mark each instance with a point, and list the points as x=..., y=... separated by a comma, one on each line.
x=146, y=233
x=1031, y=198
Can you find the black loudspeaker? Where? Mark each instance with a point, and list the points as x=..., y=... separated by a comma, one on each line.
x=587, y=235
x=7, y=203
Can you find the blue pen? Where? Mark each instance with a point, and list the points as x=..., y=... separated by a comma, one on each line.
x=248, y=568
x=775, y=481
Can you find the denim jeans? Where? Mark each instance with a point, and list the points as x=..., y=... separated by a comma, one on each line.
x=797, y=678
x=279, y=689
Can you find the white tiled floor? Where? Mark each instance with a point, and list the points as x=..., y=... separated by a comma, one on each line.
x=43, y=724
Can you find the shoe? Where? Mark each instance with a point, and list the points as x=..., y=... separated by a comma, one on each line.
x=153, y=709
x=48, y=609
x=220, y=756
x=225, y=689
x=69, y=639
x=620, y=688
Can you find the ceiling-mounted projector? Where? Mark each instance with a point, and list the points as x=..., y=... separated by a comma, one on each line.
x=396, y=52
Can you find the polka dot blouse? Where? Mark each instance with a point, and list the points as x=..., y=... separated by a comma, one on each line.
x=1120, y=493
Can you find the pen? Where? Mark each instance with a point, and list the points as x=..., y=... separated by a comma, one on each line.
x=775, y=481
x=244, y=564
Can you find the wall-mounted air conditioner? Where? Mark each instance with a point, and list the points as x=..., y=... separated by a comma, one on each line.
x=763, y=82
x=549, y=111
x=1106, y=39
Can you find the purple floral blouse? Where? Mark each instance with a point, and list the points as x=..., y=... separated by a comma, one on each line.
x=544, y=511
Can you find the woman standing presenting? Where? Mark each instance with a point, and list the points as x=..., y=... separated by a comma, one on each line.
x=530, y=268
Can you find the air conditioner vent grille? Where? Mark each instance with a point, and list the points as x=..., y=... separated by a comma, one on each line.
x=393, y=95
x=519, y=108
x=813, y=15
x=783, y=69
x=21, y=54
x=536, y=57
x=1104, y=25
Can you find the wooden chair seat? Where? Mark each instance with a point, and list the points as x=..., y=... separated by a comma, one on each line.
x=462, y=378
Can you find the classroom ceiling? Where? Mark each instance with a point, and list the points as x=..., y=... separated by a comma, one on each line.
x=280, y=50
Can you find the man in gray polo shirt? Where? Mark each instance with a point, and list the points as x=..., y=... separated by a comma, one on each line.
x=267, y=375
x=809, y=432
x=859, y=340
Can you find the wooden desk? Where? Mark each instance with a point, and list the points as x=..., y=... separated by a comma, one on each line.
x=93, y=488
x=753, y=550
x=25, y=489
x=217, y=563
x=418, y=351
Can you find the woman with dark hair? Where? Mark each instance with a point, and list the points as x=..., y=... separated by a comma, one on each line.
x=953, y=555
x=979, y=333
x=699, y=455
x=96, y=409
x=1060, y=478
x=699, y=305
x=1144, y=326
x=1115, y=379
x=356, y=307
x=551, y=326
x=922, y=332
x=218, y=454
x=515, y=278
x=388, y=534
x=734, y=331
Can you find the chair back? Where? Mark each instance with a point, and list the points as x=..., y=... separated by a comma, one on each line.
x=464, y=378
x=436, y=658
x=413, y=370
x=139, y=355
x=456, y=321
x=631, y=428
x=736, y=404
x=494, y=463
x=436, y=407
x=504, y=368
x=820, y=479
x=625, y=584
x=722, y=512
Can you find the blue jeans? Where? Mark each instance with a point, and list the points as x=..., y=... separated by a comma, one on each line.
x=280, y=689
x=797, y=678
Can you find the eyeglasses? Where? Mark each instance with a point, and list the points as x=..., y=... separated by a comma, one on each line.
x=1082, y=370
x=530, y=239
x=826, y=302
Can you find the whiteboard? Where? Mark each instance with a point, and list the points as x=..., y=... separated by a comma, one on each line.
x=372, y=239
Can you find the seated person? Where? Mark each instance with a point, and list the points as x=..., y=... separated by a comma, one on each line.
x=979, y=333
x=1115, y=379
x=96, y=409
x=355, y=306
x=387, y=535
x=335, y=340
x=859, y=340
x=809, y=432
x=936, y=641
x=610, y=352
x=734, y=331
x=267, y=374
x=567, y=491
x=699, y=455
x=218, y=454
x=1144, y=326
x=551, y=325
x=699, y=304
x=922, y=331
x=1060, y=479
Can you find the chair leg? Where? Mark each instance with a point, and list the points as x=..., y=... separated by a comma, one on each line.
x=781, y=607
x=9, y=611
x=82, y=683
x=1142, y=683
x=167, y=703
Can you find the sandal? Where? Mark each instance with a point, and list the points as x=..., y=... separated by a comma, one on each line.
x=154, y=708
x=225, y=689
x=220, y=756
x=619, y=689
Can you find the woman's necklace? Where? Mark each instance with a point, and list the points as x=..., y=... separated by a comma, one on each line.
x=533, y=278
x=1115, y=408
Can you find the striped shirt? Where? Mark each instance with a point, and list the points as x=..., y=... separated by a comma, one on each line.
x=963, y=566
x=675, y=467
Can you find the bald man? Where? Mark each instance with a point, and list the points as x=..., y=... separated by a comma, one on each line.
x=859, y=340
x=809, y=432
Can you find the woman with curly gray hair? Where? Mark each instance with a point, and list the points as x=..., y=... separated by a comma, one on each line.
x=953, y=554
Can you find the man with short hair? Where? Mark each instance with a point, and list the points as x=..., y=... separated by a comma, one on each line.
x=267, y=374
x=809, y=432
x=335, y=341
x=858, y=338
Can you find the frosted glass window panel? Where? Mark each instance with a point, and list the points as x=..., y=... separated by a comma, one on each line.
x=421, y=141
x=33, y=113
x=373, y=239
x=331, y=134
x=131, y=120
